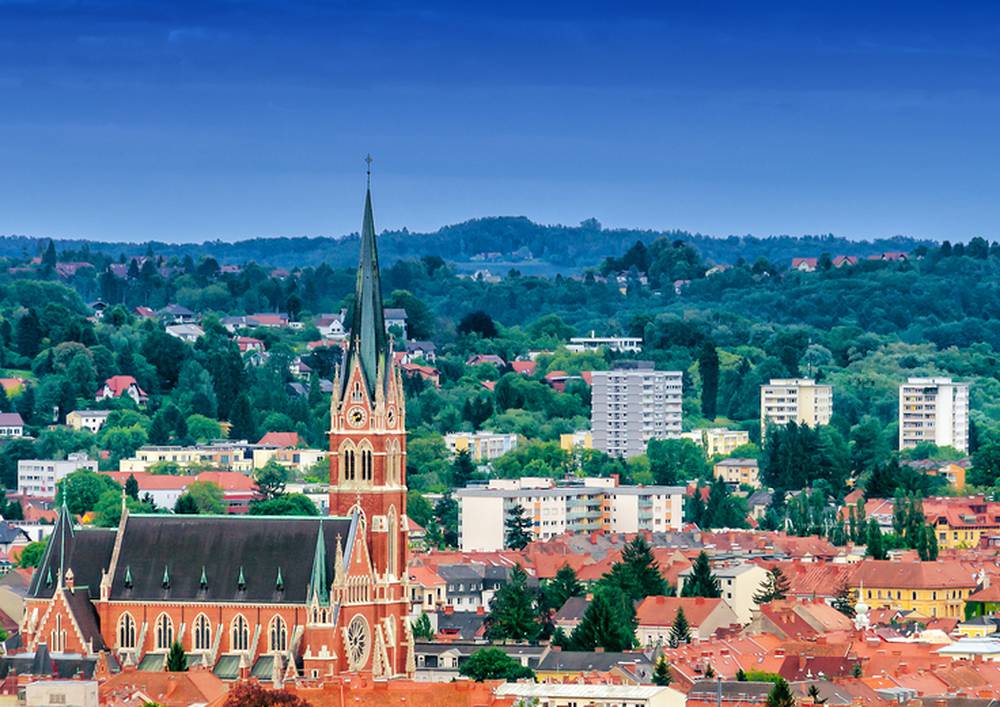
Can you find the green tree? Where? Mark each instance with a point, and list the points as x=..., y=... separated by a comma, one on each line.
x=680, y=629
x=31, y=555
x=774, y=587
x=242, y=419
x=700, y=582
x=185, y=505
x=494, y=664
x=82, y=489
x=513, y=613
x=608, y=623
x=843, y=599
x=661, y=673
x=462, y=469
x=176, y=659
x=421, y=627
x=108, y=509
x=203, y=429
x=517, y=528
x=673, y=461
x=132, y=488
x=563, y=586
x=289, y=504
x=207, y=496
x=780, y=695
x=642, y=567
x=270, y=480
x=876, y=547
x=708, y=367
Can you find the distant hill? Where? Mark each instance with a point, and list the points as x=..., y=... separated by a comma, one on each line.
x=496, y=243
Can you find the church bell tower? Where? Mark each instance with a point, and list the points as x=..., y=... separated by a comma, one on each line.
x=368, y=421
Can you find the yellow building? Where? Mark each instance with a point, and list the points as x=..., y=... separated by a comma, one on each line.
x=935, y=589
x=581, y=439
x=223, y=457
x=738, y=471
x=482, y=446
x=718, y=441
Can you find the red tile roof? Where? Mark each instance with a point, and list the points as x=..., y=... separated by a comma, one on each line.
x=660, y=611
x=120, y=384
x=281, y=439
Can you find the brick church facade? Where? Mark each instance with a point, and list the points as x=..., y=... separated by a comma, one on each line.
x=277, y=598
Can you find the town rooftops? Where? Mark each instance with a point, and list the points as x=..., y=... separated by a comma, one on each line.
x=941, y=574
x=731, y=690
x=584, y=692
x=586, y=661
x=661, y=610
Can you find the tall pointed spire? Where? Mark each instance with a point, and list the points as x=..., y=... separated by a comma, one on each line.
x=368, y=339
x=318, y=586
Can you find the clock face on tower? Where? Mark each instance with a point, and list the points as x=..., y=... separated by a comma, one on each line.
x=356, y=417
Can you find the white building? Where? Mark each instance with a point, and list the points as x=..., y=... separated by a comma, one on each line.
x=11, y=424
x=92, y=420
x=546, y=694
x=738, y=584
x=593, y=504
x=38, y=477
x=632, y=404
x=185, y=332
x=482, y=445
x=934, y=410
x=630, y=344
x=798, y=400
x=718, y=440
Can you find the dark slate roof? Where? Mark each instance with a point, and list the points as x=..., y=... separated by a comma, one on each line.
x=41, y=662
x=573, y=609
x=10, y=532
x=460, y=573
x=86, y=617
x=87, y=551
x=582, y=661
x=468, y=624
x=222, y=545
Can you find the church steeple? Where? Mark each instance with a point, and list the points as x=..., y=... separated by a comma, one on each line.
x=368, y=340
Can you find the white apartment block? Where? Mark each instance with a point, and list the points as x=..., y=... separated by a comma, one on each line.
x=630, y=344
x=38, y=477
x=718, y=440
x=632, y=405
x=934, y=410
x=594, y=504
x=482, y=445
x=798, y=400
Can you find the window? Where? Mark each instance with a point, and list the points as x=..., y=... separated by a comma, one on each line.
x=202, y=629
x=393, y=559
x=278, y=635
x=347, y=469
x=366, y=464
x=58, y=636
x=126, y=631
x=164, y=632
x=239, y=639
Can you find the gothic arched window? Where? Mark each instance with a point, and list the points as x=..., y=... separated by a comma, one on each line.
x=240, y=634
x=202, y=629
x=126, y=631
x=278, y=635
x=164, y=632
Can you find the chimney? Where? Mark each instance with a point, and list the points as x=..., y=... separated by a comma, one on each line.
x=598, y=649
x=480, y=610
x=449, y=610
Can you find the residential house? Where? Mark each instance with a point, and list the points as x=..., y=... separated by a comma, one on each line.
x=618, y=344
x=571, y=441
x=571, y=613
x=424, y=350
x=185, y=332
x=92, y=420
x=176, y=314
x=427, y=373
x=282, y=440
x=718, y=441
x=395, y=319
x=804, y=264
x=738, y=472
x=559, y=666
x=11, y=424
x=488, y=359
x=117, y=386
x=331, y=326
x=728, y=693
x=482, y=446
x=428, y=589
x=655, y=617
x=738, y=584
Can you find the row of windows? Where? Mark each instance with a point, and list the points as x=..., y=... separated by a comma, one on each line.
x=349, y=467
x=201, y=633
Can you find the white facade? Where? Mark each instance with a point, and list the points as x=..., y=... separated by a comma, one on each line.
x=572, y=695
x=630, y=406
x=482, y=445
x=738, y=584
x=934, y=410
x=798, y=400
x=718, y=440
x=92, y=420
x=38, y=477
x=630, y=344
x=594, y=505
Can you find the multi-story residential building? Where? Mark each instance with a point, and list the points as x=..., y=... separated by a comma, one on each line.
x=739, y=472
x=581, y=439
x=592, y=504
x=299, y=460
x=934, y=410
x=799, y=400
x=718, y=440
x=632, y=404
x=38, y=477
x=934, y=589
x=738, y=583
x=481, y=446
x=628, y=344
x=92, y=420
x=229, y=457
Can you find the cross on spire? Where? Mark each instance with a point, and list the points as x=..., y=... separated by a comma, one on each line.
x=368, y=162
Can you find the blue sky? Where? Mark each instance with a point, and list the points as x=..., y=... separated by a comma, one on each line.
x=184, y=121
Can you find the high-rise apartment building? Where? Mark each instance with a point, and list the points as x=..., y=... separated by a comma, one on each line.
x=632, y=404
x=798, y=400
x=934, y=410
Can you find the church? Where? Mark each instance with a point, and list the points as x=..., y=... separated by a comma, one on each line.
x=272, y=597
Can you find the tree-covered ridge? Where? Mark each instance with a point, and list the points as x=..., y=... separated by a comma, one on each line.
x=504, y=238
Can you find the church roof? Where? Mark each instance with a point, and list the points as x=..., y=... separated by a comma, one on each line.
x=226, y=547
x=86, y=551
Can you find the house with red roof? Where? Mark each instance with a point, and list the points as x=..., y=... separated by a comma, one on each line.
x=804, y=264
x=118, y=386
x=655, y=617
x=490, y=359
x=525, y=368
x=282, y=440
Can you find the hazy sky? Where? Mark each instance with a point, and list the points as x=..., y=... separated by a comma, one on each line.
x=196, y=120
